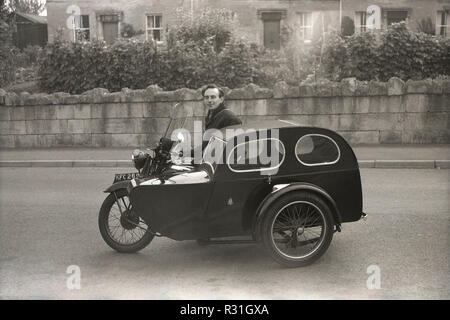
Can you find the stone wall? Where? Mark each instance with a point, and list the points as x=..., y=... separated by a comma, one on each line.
x=364, y=113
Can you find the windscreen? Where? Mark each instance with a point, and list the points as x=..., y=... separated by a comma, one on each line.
x=178, y=118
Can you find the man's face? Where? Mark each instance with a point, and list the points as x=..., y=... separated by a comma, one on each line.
x=211, y=98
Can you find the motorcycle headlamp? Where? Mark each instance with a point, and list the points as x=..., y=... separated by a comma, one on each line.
x=139, y=158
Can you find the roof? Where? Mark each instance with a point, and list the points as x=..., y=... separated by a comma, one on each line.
x=265, y=124
x=33, y=18
x=257, y=125
x=247, y=128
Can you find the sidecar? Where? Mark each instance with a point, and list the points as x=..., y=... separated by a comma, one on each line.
x=287, y=186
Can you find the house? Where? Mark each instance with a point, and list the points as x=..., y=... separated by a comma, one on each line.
x=260, y=21
x=105, y=20
x=413, y=12
x=30, y=30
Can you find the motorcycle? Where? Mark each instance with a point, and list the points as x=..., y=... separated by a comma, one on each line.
x=121, y=227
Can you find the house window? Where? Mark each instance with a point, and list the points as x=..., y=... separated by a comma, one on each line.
x=305, y=21
x=154, y=27
x=442, y=23
x=360, y=21
x=395, y=16
x=81, y=31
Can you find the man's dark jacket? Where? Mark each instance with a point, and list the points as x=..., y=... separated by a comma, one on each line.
x=220, y=117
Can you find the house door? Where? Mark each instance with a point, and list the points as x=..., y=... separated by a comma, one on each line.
x=271, y=22
x=110, y=31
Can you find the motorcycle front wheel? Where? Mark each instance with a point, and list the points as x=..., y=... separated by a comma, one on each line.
x=120, y=227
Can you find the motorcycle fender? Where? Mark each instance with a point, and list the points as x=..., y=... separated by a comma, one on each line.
x=118, y=185
x=280, y=190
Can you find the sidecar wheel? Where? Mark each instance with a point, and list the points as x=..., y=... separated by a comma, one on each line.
x=124, y=232
x=297, y=229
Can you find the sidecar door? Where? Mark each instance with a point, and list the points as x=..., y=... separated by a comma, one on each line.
x=175, y=207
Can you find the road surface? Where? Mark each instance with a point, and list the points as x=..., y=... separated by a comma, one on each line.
x=49, y=236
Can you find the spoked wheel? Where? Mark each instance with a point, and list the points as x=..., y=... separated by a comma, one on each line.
x=120, y=227
x=297, y=229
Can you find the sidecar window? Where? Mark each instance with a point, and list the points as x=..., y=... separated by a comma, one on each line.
x=316, y=150
x=256, y=155
x=213, y=152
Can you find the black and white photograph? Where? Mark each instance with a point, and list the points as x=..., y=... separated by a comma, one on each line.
x=224, y=154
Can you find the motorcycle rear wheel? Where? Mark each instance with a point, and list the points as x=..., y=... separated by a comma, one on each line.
x=120, y=227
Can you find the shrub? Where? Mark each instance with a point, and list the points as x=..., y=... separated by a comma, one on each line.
x=182, y=62
x=308, y=60
x=186, y=64
x=128, y=64
x=12, y=59
x=393, y=52
x=432, y=56
x=76, y=67
x=216, y=25
x=361, y=51
x=336, y=64
x=267, y=66
x=295, y=61
x=233, y=68
x=7, y=68
x=396, y=52
x=192, y=64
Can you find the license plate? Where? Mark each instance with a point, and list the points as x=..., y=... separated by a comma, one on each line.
x=125, y=176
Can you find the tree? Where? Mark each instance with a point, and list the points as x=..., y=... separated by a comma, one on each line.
x=7, y=69
x=27, y=6
x=5, y=25
x=209, y=24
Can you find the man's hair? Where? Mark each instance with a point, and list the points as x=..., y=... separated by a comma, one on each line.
x=213, y=86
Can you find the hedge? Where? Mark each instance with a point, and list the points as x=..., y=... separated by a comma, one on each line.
x=202, y=49
x=78, y=67
x=395, y=51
